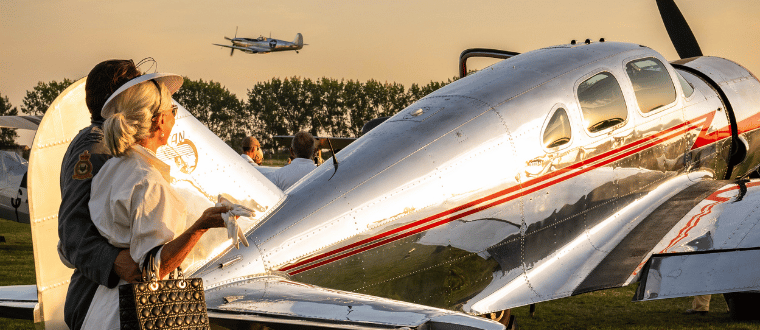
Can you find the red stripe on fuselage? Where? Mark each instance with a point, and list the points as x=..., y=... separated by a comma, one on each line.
x=702, y=122
x=748, y=124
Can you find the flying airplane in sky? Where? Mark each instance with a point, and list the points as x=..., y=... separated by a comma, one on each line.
x=263, y=45
x=560, y=171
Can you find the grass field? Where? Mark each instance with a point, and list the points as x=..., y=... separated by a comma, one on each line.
x=16, y=263
x=607, y=309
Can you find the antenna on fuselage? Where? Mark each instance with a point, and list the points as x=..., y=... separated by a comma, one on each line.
x=334, y=157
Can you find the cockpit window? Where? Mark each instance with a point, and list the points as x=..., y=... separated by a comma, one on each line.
x=651, y=83
x=557, y=131
x=685, y=85
x=602, y=102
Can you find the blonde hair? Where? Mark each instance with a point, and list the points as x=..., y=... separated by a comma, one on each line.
x=133, y=112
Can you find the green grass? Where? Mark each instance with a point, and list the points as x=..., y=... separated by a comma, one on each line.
x=613, y=309
x=17, y=260
x=607, y=309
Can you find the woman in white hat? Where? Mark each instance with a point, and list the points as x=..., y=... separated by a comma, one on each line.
x=132, y=203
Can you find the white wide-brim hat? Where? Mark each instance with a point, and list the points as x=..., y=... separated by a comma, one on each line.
x=172, y=81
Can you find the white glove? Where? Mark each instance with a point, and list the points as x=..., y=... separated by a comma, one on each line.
x=230, y=221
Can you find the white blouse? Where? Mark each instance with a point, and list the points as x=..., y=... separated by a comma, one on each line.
x=133, y=206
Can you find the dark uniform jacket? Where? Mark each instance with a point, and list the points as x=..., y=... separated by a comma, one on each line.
x=81, y=243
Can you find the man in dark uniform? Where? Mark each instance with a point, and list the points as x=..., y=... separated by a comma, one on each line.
x=96, y=261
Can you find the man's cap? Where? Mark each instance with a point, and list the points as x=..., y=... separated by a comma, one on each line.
x=249, y=142
x=172, y=81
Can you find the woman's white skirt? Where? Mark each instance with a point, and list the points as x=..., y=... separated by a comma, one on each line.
x=104, y=309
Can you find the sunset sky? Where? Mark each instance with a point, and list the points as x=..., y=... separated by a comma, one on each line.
x=395, y=41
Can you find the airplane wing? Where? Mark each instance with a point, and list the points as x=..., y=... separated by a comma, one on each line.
x=246, y=49
x=683, y=239
x=712, y=249
x=23, y=122
x=276, y=301
x=698, y=240
x=18, y=301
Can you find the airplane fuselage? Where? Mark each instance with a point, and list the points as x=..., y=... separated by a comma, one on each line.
x=509, y=186
x=264, y=44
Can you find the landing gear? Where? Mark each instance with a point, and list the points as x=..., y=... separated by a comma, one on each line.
x=504, y=317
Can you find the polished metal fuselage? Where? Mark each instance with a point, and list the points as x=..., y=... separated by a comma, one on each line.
x=455, y=202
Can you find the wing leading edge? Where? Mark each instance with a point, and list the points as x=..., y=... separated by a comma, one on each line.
x=714, y=248
x=18, y=302
x=276, y=301
x=245, y=49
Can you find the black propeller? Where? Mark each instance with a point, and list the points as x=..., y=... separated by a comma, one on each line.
x=232, y=50
x=678, y=30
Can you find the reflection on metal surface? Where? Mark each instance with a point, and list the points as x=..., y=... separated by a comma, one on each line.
x=683, y=275
x=304, y=304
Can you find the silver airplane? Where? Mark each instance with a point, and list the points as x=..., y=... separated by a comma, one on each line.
x=14, y=204
x=564, y=170
x=263, y=45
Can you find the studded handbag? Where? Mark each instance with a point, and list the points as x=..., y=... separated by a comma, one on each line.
x=175, y=303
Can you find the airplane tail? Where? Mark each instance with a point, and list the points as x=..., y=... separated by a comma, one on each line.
x=298, y=40
x=50, y=143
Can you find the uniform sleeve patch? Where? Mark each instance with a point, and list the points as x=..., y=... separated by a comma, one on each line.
x=83, y=168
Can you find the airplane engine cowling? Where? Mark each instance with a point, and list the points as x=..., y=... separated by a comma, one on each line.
x=740, y=93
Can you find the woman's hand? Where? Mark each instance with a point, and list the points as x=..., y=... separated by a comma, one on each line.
x=212, y=218
x=176, y=250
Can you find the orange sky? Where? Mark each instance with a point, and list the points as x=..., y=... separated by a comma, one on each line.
x=406, y=42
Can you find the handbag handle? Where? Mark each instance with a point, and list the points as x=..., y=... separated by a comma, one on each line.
x=150, y=271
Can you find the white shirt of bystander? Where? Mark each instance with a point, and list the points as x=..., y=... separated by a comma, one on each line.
x=249, y=159
x=291, y=173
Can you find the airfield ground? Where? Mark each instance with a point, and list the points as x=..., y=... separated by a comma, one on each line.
x=607, y=309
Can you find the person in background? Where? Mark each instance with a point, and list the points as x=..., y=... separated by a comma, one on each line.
x=318, y=156
x=80, y=246
x=131, y=201
x=252, y=151
x=700, y=305
x=302, y=153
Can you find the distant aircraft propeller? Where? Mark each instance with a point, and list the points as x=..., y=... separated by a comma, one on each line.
x=232, y=50
x=678, y=29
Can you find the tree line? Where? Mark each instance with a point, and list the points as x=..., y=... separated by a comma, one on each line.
x=323, y=107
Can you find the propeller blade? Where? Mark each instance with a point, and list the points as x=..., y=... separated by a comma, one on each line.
x=678, y=29
x=236, y=28
x=232, y=50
